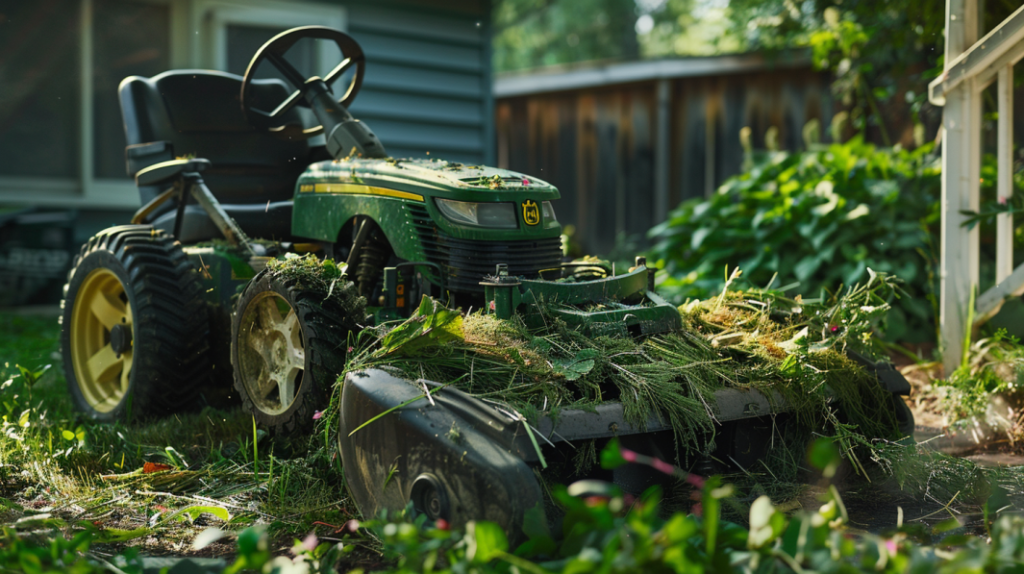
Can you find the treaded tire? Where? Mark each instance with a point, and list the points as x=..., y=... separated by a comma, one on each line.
x=169, y=331
x=325, y=324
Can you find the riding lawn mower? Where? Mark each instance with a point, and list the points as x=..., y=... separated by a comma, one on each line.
x=238, y=172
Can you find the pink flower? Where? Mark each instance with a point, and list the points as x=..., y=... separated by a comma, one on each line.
x=890, y=545
x=317, y=415
x=834, y=328
x=526, y=181
x=309, y=543
x=663, y=466
x=350, y=349
x=695, y=481
x=351, y=525
x=1002, y=200
x=442, y=524
x=628, y=455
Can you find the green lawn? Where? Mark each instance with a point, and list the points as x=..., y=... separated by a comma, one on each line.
x=63, y=469
x=61, y=474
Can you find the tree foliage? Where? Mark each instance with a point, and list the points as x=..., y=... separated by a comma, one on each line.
x=534, y=33
x=882, y=54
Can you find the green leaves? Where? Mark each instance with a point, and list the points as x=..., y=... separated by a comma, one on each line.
x=579, y=365
x=32, y=377
x=191, y=513
x=820, y=218
x=485, y=541
x=78, y=434
x=766, y=524
x=611, y=455
x=431, y=324
x=824, y=456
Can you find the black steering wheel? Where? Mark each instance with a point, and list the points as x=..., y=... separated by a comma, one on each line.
x=273, y=50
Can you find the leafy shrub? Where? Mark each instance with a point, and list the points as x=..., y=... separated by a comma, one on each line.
x=820, y=217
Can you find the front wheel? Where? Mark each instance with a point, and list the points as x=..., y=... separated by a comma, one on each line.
x=289, y=347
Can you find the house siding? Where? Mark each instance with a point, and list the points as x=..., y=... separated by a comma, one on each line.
x=428, y=79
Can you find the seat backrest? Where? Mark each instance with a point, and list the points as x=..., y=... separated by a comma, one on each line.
x=199, y=113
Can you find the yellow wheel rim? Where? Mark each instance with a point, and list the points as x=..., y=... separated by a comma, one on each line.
x=102, y=363
x=271, y=355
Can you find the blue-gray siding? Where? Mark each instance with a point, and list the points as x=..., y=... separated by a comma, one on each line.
x=428, y=79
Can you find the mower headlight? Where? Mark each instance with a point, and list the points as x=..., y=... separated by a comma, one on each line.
x=492, y=215
x=549, y=212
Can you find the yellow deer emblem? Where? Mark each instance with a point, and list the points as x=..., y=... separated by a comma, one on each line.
x=531, y=215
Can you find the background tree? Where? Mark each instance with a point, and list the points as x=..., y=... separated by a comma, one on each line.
x=535, y=33
x=882, y=54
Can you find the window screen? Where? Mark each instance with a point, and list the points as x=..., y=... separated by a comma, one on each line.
x=308, y=56
x=129, y=38
x=245, y=40
x=39, y=86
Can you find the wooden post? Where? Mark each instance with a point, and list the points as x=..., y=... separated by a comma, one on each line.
x=1004, y=179
x=961, y=167
x=85, y=103
x=961, y=27
x=662, y=131
x=710, y=113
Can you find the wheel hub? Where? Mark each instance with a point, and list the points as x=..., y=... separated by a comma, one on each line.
x=101, y=340
x=429, y=497
x=271, y=353
x=121, y=338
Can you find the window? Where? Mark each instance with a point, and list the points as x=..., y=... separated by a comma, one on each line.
x=129, y=39
x=235, y=29
x=244, y=40
x=61, y=133
x=39, y=94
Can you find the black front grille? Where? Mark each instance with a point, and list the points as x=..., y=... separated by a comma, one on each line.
x=466, y=262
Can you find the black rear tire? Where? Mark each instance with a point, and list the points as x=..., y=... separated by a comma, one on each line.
x=274, y=320
x=159, y=349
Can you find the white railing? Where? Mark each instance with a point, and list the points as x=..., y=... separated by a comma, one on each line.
x=971, y=66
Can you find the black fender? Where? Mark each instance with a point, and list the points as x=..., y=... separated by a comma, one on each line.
x=893, y=381
x=455, y=457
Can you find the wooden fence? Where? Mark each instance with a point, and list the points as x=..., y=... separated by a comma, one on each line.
x=626, y=143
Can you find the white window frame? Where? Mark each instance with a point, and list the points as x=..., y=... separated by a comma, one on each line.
x=214, y=17
x=198, y=40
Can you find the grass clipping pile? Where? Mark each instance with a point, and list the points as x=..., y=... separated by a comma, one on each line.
x=792, y=350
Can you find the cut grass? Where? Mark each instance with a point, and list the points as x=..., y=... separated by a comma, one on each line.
x=754, y=339
x=50, y=481
x=58, y=469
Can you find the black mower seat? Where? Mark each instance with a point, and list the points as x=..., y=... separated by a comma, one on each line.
x=197, y=113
